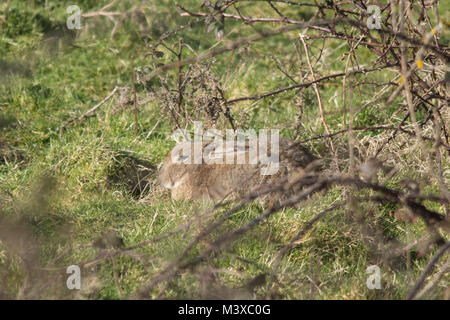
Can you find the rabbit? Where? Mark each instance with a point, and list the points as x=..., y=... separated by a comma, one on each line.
x=206, y=178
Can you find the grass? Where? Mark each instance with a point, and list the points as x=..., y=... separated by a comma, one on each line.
x=71, y=189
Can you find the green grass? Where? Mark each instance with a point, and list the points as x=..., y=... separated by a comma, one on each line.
x=71, y=189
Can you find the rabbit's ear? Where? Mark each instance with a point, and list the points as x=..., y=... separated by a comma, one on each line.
x=181, y=158
x=217, y=153
x=212, y=152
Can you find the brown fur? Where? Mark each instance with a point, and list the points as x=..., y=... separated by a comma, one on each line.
x=216, y=181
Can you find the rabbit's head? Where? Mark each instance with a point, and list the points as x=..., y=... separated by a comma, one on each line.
x=173, y=169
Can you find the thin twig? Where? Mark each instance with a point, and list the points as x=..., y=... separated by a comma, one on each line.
x=430, y=265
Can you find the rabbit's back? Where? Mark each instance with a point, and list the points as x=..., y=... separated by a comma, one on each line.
x=206, y=177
